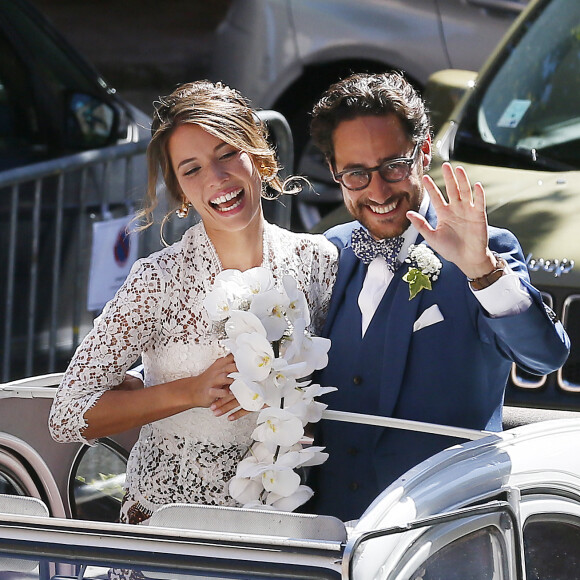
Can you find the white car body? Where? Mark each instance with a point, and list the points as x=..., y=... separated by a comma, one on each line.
x=488, y=508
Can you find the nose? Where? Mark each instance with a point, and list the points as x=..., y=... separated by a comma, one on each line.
x=378, y=190
x=217, y=173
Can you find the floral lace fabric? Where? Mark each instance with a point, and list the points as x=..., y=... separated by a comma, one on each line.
x=158, y=314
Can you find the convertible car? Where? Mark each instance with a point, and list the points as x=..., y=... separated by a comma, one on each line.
x=499, y=506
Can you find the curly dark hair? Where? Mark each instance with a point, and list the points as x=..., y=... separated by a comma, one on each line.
x=368, y=95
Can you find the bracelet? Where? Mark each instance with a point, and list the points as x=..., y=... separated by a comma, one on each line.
x=487, y=280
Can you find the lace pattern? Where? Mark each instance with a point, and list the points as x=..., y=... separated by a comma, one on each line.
x=158, y=314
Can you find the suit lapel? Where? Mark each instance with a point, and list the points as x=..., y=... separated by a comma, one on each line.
x=399, y=331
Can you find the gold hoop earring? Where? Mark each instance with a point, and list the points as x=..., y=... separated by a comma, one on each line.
x=183, y=211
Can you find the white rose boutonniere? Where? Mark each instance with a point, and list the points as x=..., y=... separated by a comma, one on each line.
x=423, y=270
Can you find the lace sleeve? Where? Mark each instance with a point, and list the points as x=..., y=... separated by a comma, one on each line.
x=323, y=270
x=117, y=339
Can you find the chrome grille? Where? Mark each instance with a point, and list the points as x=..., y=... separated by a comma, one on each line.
x=569, y=374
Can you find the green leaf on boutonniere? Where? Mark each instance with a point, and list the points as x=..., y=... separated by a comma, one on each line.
x=417, y=281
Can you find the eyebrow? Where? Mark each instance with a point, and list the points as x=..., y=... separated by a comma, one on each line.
x=190, y=159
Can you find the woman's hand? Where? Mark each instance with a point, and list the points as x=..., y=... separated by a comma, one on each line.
x=219, y=397
x=214, y=383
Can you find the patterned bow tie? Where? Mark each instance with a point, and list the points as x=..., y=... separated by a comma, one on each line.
x=366, y=248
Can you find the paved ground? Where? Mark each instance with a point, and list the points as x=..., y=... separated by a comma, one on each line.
x=142, y=47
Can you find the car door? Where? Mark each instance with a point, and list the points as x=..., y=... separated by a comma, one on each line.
x=476, y=543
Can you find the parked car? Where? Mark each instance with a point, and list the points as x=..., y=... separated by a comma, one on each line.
x=54, y=105
x=502, y=506
x=517, y=131
x=283, y=54
x=52, y=102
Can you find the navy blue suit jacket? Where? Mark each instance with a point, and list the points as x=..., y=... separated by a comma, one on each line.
x=452, y=372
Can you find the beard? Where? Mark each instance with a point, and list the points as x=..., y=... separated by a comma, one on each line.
x=389, y=226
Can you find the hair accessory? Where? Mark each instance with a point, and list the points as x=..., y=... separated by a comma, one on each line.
x=183, y=211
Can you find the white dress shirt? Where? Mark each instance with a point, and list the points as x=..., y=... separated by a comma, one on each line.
x=505, y=297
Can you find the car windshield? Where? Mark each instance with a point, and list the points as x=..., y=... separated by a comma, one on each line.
x=529, y=112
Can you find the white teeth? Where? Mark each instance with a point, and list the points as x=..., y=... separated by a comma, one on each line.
x=227, y=197
x=383, y=208
x=229, y=208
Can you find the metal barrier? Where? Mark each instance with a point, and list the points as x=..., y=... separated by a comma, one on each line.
x=46, y=216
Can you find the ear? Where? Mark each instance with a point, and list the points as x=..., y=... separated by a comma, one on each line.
x=427, y=152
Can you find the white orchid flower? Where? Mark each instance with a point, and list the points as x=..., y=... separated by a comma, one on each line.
x=254, y=314
x=298, y=306
x=278, y=427
x=250, y=395
x=218, y=304
x=282, y=481
x=242, y=321
x=312, y=455
x=245, y=490
x=290, y=503
x=270, y=307
x=253, y=355
x=259, y=279
x=282, y=383
x=309, y=410
x=311, y=350
x=235, y=285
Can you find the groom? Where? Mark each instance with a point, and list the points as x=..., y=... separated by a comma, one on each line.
x=426, y=323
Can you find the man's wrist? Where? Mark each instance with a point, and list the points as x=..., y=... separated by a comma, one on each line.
x=493, y=276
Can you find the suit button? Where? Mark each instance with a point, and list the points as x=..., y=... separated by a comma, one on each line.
x=352, y=451
x=357, y=380
x=353, y=486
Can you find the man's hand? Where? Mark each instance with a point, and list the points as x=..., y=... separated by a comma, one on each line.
x=461, y=233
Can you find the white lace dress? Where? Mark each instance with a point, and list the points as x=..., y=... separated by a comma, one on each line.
x=158, y=314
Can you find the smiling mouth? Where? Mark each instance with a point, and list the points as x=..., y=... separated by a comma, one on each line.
x=228, y=201
x=384, y=208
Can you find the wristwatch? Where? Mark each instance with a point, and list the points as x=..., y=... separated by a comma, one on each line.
x=487, y=280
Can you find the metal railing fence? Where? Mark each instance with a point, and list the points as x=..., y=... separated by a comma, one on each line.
x=46, y=216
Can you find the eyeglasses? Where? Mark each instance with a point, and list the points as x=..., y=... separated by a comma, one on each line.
x=391, y=170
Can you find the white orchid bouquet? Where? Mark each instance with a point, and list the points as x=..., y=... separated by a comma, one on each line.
x=266, y=330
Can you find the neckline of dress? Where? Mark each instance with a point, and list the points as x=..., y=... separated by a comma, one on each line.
x=214, y=255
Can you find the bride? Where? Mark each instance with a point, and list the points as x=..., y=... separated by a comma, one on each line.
x=213, y=154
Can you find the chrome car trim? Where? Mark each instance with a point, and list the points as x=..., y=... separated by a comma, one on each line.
x=571, y=326
x=40, y=469
x=557, y=267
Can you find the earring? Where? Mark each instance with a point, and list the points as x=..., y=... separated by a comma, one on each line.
x=183, y=211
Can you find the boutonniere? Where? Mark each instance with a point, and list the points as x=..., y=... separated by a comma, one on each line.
x=424, y=268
